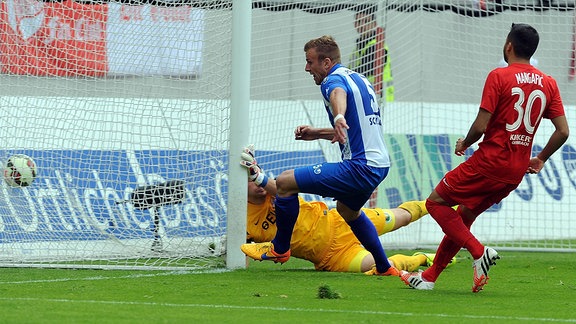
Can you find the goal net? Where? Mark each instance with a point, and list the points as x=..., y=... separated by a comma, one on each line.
x=440, y=53
x=125, y=108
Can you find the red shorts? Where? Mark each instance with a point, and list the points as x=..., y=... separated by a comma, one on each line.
x=466, y=186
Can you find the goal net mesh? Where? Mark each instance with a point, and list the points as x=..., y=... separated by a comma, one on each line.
x=125, y=108
x=440, y=53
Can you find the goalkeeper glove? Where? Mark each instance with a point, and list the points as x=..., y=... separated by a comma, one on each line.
x=249, y=154
x=255, y=173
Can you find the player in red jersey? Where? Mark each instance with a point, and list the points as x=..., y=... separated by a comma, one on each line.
x=514, y=101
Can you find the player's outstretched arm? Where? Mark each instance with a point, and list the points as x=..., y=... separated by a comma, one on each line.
x=338, y=102
x=309, y=133
x=476, y=131
x=255, y=172
x=556, y=140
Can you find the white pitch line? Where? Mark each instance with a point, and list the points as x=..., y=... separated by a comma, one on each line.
x=170, y=273
x=320, y=310
x=159, y=274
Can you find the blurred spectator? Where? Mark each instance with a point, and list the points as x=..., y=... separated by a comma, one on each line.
x=371, y=56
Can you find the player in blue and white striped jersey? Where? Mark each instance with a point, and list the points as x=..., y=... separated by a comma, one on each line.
x=352, y=107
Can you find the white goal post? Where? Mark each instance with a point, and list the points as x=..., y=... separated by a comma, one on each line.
x=154, y=99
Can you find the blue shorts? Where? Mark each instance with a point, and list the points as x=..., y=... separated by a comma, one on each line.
x=349, y=182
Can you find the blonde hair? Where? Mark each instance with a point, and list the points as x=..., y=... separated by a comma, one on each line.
x=326, y=47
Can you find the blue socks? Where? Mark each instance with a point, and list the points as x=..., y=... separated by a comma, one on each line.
x=287, y=210
x=368, y=236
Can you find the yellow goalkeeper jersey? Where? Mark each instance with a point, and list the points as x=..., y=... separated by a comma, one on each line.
x=320, y=235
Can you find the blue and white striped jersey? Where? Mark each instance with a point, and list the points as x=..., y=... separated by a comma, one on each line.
x=365, y=136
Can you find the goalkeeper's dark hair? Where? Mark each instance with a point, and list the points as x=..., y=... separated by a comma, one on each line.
x=326, y=47
x=524, y=39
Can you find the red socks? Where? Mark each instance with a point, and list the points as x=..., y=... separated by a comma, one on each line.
x=458, y=235
x=446, y=251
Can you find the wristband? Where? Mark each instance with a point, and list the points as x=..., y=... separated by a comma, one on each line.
x=261, y=180
x=339, y=116
x=264, y=182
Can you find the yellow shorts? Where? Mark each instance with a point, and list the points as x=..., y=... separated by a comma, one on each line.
x=346, y=253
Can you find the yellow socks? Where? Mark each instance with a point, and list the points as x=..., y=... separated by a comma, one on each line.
x=408, y=263
x=416, y=208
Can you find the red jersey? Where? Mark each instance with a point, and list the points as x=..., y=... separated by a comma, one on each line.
x=518, y=96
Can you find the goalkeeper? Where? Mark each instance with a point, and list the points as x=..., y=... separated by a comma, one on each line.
x=321, y=235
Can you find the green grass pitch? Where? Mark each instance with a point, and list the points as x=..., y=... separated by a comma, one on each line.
x=524, y=288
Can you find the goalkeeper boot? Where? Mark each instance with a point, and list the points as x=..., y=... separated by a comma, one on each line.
x=392, y=271
x=417, y=209
x=264, y=252
x=482, y=266
x=430, y=259
x=415, y=280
